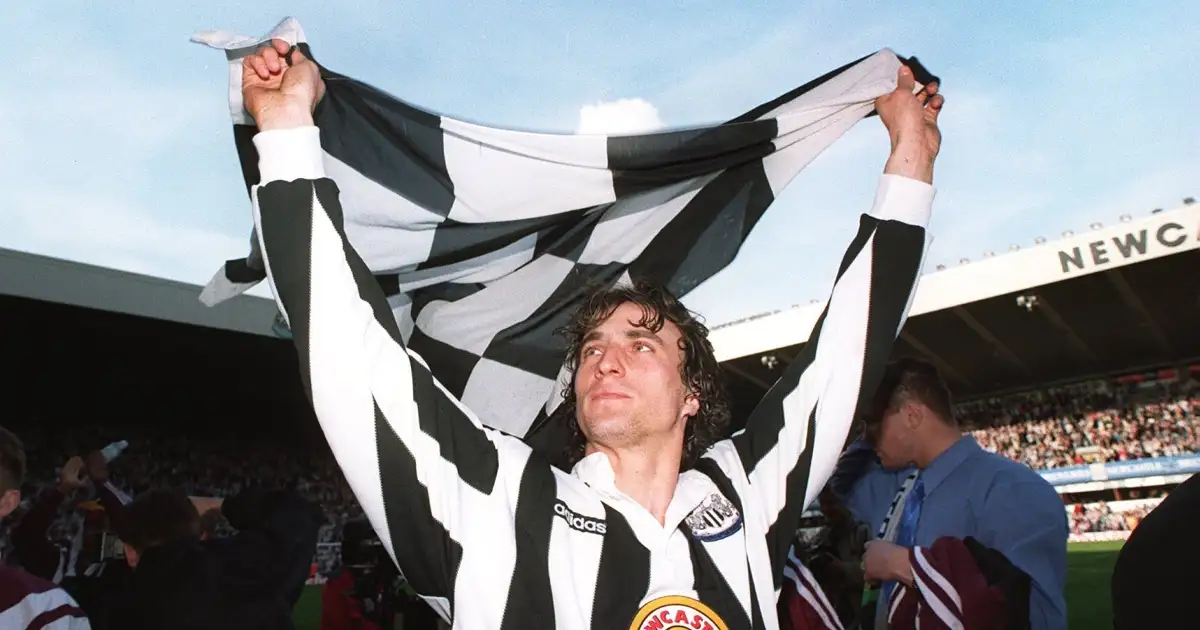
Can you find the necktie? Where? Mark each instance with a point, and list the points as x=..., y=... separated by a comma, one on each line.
x=906, y=536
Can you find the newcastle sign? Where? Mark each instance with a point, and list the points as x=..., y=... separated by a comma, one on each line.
x=1116, y=247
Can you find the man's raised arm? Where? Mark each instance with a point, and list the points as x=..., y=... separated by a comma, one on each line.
x=417, y=460
x=792, y=439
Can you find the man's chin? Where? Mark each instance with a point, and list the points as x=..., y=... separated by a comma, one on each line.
x=605, y=428
x=889, y=464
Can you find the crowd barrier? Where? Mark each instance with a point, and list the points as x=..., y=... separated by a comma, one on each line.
x=1109, y=471
x=1100, y=536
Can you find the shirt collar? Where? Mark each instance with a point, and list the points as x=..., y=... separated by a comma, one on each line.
x=940, y=468
x=690, y=491
x=596, y=471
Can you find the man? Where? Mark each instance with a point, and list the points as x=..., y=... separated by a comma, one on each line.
x=1152, y=582
x=656, y=524
x=951, y=487
x=28, y=601
x=250, y=580
x=343, y=606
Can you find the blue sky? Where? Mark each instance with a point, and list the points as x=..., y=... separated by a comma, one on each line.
x=116, y=149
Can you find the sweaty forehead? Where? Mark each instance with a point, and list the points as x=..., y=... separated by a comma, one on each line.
x=626, y=322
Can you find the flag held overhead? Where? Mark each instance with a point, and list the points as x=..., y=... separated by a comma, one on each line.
x=485, y=239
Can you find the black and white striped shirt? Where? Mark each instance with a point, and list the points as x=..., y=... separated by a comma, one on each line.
x=491, y=534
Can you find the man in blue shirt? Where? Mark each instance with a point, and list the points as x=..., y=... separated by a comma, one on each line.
x=958, y=490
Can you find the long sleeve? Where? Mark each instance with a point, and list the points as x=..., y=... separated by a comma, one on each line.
x=791, y=441
x=36, y=553
x=114, y=502
x=421, y=465
x=1027, y=524
x=953, y=587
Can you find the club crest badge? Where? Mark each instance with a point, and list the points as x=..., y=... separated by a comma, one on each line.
x=714, y=519
x=676, y=612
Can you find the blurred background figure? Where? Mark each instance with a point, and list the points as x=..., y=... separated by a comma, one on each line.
x=26, y=600
x=367, y=592
x=250, y=580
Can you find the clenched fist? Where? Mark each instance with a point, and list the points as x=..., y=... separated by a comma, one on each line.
x=71, y=477
x=279, y=95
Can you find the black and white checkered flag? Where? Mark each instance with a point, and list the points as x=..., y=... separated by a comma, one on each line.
x=485, y=239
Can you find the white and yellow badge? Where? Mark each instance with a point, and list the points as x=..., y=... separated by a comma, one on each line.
x=676, y=612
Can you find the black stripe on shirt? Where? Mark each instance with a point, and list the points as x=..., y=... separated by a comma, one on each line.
x=623, y=575
x=782, y=532
x=530, y=603
x=711, y=587
x=415, y=533
x=286, y=211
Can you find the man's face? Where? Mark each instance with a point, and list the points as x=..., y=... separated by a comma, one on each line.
x=896, y=440
x=628, y=385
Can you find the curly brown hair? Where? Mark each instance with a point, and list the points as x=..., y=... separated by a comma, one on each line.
x=698, y=369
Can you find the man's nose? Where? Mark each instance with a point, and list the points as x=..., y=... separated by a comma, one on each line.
x=610, y=362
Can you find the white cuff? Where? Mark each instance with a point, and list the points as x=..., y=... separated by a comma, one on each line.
x=289, y=154
x=903, y=199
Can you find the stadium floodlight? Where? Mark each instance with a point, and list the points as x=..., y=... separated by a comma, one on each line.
x=769, y=361
x=1027, y=302
x=1125, y=218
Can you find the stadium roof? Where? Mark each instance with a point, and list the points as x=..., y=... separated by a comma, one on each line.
x=1115, y=299
x=43, y=278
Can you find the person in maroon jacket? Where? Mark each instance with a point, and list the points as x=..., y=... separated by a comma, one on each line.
x=28, y=602
x=33, y=550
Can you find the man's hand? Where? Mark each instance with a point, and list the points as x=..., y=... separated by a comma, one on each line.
x=97, y=467
x=71, y=477
x=911, y=121
x=886, y=561
x=276, y=95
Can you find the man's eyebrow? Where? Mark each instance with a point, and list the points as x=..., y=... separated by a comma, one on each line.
x=632, y=333
x=642, y=333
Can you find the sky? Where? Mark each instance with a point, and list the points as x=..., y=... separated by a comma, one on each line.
x=116, y=147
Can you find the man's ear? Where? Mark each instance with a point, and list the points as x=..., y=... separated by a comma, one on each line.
x=913, y=416
x=691, y=405
x=9, y=502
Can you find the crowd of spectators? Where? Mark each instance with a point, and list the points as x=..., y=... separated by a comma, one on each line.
x=1100, y=517
x=1053, y=428
x=1089, y=423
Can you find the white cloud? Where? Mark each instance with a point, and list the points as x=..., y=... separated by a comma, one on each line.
x=627, y=115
